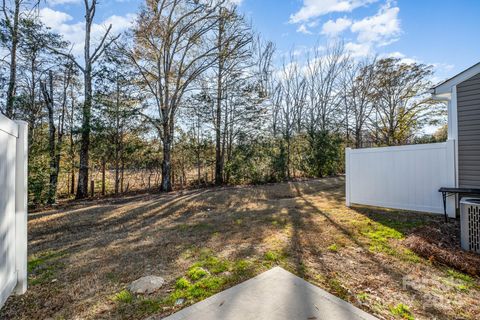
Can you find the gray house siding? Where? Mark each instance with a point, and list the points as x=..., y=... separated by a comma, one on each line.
x=468, y=106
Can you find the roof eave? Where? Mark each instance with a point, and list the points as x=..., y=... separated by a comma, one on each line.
x=446, y=86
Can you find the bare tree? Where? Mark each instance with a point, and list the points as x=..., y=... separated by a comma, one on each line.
x=289, y=102
x=358, y=86
x=233, y=39
x=90, y=58
x=173, y=47
x=56, y=131
x=12, y=11
x=324, y=83
x=233, y=36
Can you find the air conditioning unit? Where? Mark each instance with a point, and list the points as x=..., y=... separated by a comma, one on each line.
x=470, y=224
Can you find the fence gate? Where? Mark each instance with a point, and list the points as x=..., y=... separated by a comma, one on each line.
x=13, y=207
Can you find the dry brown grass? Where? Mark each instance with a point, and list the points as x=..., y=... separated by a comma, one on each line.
x=83, y=256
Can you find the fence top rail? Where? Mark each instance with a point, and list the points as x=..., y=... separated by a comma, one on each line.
x=413, y=147
x=8, y=126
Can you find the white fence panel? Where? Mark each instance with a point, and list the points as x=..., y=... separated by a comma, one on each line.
x=405, y=177
x=13, y=208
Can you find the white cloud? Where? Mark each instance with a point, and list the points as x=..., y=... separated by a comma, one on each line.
x=119, y=24
x=383, y=28
x=378, y=30
x=52, y=18
x=357, y=50
x=74, y=32
x=403, y=58
x=316, y=8
x=303, y=29
x=332, y=28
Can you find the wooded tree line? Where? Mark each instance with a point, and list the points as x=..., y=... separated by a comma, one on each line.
x=192, y=96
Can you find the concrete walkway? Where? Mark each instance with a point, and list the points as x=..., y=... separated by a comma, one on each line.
x=274, y=295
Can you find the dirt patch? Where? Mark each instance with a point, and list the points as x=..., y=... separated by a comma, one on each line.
x=82, y=257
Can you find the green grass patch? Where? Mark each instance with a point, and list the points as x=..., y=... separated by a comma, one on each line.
x=272, y=256
x=211, y=263
x=462, y=282
x=362, y=296
x=460, y=276
x=337, y=288
x=37, y=261
x=149, y=306
x=243, y=267
x=333, y=247
x=411, y=256
x=208, y=276
x=198, y=290
x=402, y=311
x=205, y=287
x=182, y=283
x=123, y=296
x=204, y=278
x=129, y=305
x=195, y=273
x=43, y=267
x=380, y=236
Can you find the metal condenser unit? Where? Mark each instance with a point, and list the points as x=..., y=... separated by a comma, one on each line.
x=470, y=224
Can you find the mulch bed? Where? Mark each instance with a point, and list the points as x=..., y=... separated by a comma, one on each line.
x=440, y=243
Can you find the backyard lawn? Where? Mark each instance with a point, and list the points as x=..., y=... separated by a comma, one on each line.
x=83, y=256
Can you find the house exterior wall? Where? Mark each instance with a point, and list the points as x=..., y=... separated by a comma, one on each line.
x=468, y=112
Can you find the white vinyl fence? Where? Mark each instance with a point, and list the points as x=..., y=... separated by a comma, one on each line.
x=13, y=208
x=405, y=177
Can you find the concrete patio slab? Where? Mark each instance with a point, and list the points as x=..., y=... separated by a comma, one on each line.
x=274, y=295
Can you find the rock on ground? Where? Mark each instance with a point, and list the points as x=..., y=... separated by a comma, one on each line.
x=146, y=285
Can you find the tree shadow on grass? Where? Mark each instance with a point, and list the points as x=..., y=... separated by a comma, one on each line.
x=123, y=241
x=401, y=221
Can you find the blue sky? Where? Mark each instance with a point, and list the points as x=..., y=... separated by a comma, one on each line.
x=443, y=33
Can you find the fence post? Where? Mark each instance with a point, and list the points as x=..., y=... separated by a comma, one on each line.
x=347, y=176
x=21, y=202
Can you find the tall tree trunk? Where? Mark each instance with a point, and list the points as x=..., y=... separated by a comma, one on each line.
x=72, y=148
x=219, y=159
x=72, y=179
x=9, y=110
x=53, y=144
x=118, y=138
x=166, y=184
x=104, y=164
x=47, y=90
x=82, y=187
x=117, y=172
x=122, y=172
